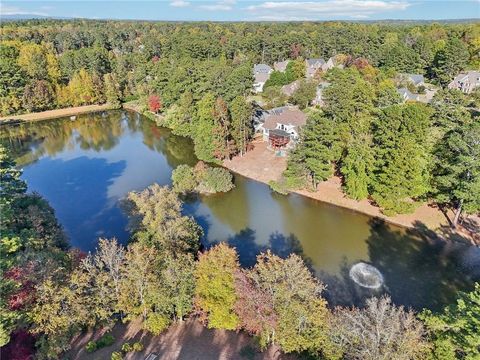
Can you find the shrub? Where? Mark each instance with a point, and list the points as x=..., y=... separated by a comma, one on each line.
x=105, y=340
x=91, y=346
x=216, y=180
x=156, y=323
x=202, y=179
x=127, y=347
x=184, y=179
x=278, y=187
x=137, y=346
x=116, y=355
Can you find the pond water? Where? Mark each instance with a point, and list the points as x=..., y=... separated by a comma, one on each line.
x=83, y=167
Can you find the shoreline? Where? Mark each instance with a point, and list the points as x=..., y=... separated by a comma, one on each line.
x=263, y=166
x=55, y=113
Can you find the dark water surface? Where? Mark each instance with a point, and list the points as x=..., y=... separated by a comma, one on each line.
x=85, y=166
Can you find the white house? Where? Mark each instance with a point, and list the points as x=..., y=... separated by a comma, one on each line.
x=466, y=81
x=282, y=125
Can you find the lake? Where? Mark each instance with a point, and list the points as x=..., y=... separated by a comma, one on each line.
x=83, y=167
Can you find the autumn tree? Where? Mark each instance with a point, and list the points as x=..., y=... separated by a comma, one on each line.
x=255, y=307
x=301, y=316
x=215, y=295
x=379, y=331
x=178, y=285
x=81, y=89
x=154, y=103
x=140, y=294
x=38, y=96
x=158, y=221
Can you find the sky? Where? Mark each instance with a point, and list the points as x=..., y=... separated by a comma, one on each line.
x=248, y=10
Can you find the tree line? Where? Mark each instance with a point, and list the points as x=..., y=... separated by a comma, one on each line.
x=397, y=154
x=50, y=293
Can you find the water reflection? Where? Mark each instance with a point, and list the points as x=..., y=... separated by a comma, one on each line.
x=84, y=167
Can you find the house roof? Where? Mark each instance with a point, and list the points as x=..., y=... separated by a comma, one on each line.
x=290, y=88
x=281, y=65
x=293, y=117
x=279, y=132
x=261, y=68
x=261, y=77
x=416, y=79
x=407, y=94
x=278, y=110
x=315, y=62
x=473, y=77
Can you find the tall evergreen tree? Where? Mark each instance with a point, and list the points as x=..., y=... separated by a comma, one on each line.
x=357, y=167
x=241, y=123
x=456, y=174
x=402, y=157
x=450, y=60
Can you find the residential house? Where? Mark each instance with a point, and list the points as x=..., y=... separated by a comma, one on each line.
x=415, y=79
x=312, y=66
x=319, y=95
x=330, y=64
x=282, y=125
x=261, y=73
x=466, y=81
x=407, y=95
x=281, y=65
x=290, y=89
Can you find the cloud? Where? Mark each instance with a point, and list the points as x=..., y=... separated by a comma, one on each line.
x=221, y=5
x=14, y=10
x=308, y=10
x=179, y=3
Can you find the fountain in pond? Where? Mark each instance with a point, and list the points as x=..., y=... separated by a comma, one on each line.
x=366, y=275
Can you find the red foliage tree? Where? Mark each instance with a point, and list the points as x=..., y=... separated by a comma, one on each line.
x=24, y=291
x=155, y=59
x=20, y=347
x=295, y=50
x=154, y=103
x=254, y=307
x=360, y=63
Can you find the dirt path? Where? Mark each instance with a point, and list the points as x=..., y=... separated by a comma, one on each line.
x=51, y=114
x=187, y=341
x=262, y=165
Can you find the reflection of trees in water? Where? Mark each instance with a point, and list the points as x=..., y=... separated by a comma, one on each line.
x=231, y=208
x=98, y=132
x=179, y=150
x=279, y=244
x=419, y=269
x=29, y=141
